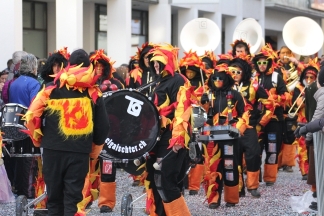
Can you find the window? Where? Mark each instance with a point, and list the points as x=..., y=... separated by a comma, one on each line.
x=35, y=28
x=139, y=25
x=139, y=29
x=101, y=27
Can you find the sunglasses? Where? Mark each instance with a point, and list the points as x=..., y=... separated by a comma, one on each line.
x=262, y=62
x=217, y=79
x=236, y=72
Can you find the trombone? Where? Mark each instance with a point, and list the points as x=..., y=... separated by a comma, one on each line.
x=293, y=114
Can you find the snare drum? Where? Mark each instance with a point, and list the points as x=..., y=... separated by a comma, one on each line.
x=134, y=124
x=21, y=148
x=11, y=122
x=199, y=116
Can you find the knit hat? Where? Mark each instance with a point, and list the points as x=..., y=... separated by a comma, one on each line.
x=80, y=56
x=321, y=77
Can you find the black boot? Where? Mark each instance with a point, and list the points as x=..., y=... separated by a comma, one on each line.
x=229, y=204
x=213, y=205
x=313, y=206
x=104, y=209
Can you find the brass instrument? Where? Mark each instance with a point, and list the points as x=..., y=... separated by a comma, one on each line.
x=250, y=31
x=293, y=114
x=199, y=35
x=292, y=79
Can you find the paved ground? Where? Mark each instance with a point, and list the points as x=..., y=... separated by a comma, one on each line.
x=273, y=201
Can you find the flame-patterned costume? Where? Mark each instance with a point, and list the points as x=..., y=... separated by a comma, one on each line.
x=290, y=72
x=193, y=68
x=67, y=119
x=222, y=160
x=308, y=75
x=248, y=143
x=107, y=184
x=270, y=127
x=142, y=74
x=61, y=58
x=173, y=98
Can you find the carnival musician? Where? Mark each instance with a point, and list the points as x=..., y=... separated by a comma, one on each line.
x=55, y=62
x=270, y=125
x=192, y=67
x=307, y=77
x=241, y=69
x=103, y=66
x=290, y=69
x=222, y=163
x=66, y=147
x=143, y=74
x=172, y=97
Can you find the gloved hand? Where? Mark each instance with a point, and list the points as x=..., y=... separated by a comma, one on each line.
x=309, y=139
x=204, y=99
x=301, y=131
x=210, y=121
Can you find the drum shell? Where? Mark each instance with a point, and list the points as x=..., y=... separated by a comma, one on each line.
x=11, y=121
x=199, y=116
x=133, y=131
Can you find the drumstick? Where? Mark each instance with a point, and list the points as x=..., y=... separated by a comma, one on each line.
x=202, y=80
x=156, y=165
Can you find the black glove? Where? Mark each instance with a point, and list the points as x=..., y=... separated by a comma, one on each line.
x=309, y=139
x=301, y=131
x=204, y=99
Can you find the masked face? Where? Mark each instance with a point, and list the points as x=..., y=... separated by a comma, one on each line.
x=56, y=68
x=284, y=55
x=146, y=60
x=240, y=51
x=218, y=82
x=157, y=67
x=99, y=69
x=262, y=64
x=237, y=74
x=309, y=78
x=190, y=74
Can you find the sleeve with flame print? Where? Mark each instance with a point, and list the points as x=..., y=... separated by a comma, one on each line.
x=33, y=115
x=75, y=115
x=180, y=123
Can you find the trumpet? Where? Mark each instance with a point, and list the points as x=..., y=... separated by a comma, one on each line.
x=293, y=114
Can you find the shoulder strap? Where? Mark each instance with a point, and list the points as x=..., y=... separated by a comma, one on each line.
x=274, y=79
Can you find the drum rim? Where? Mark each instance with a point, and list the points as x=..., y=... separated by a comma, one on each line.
x=198, y=106
x=4, y=124
x=14, y=104
x=158, y=118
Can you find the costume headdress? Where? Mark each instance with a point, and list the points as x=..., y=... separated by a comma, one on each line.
x=101, y=57
x=167, y=55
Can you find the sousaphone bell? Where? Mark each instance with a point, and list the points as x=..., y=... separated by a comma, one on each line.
x=199, y=35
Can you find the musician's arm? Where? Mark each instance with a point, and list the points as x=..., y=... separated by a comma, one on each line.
x=182, y=113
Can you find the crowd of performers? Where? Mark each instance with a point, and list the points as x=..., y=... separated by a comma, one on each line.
x=251, y=92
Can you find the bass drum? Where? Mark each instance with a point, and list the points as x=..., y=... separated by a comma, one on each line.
x=134, y=124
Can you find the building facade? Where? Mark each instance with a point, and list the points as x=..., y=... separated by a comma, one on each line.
x=120, y=26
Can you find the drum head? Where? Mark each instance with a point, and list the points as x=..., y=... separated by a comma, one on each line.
x=134, y=124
